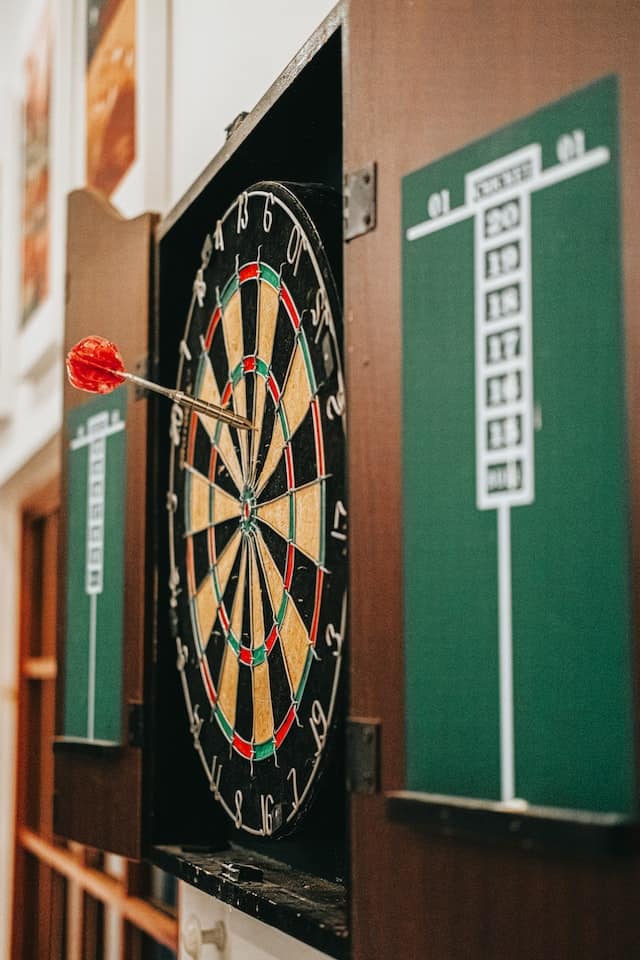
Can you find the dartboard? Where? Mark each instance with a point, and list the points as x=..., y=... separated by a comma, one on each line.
x=258, y=517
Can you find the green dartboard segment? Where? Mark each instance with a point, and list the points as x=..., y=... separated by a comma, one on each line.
x=516, y=503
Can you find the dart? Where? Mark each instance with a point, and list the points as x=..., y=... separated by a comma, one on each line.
x=94, y=364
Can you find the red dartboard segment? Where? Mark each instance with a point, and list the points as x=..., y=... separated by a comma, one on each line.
x=249, y=272
x=317, y=432
x=271, y=639
x=249, y=364
x=290, y=306
x=213, y=323
x=224, y=619
x=226, y=394
x=192, y=438
x=285, y=726
x=288, y=457
x=246, y=656
x=274, y=389
x=316, y=610
x=191, y=580
x=242, y=746
x=288, y=575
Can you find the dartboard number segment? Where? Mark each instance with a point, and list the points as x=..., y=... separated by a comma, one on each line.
x=258, y=519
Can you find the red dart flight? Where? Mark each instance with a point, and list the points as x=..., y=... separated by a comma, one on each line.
x=93, y=365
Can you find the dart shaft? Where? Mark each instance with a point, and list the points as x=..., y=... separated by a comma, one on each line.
x=212, y=410
x=204, y=407
x=184, y=399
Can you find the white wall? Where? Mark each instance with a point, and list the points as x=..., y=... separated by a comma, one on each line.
x=199, y=63
x=225, y=54
x=30, y=391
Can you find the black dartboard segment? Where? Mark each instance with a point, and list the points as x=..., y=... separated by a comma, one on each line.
x=258, y=521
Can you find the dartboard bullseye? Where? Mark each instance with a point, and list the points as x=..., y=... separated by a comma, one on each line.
x=258, y=519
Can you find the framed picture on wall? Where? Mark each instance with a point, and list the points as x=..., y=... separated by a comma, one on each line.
x=118, y=97
x=110, y=92
x=35, y=209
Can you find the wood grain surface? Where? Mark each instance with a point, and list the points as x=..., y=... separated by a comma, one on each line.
x=98, y=798
x=423, y=79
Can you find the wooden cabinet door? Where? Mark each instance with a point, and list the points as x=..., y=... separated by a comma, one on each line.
x=98, y=787
x=423, y=80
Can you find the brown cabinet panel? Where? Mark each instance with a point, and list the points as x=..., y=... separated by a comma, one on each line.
x=98, y=799
x=422, y=80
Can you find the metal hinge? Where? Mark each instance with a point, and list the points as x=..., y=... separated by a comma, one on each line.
x=359, y=201
x=363, y=755
x=235, y=123
x=136, y=724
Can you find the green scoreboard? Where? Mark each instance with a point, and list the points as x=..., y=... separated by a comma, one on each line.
x=96, y=452
x=516, y=501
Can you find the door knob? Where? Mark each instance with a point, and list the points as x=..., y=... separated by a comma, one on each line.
x=194, y=937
